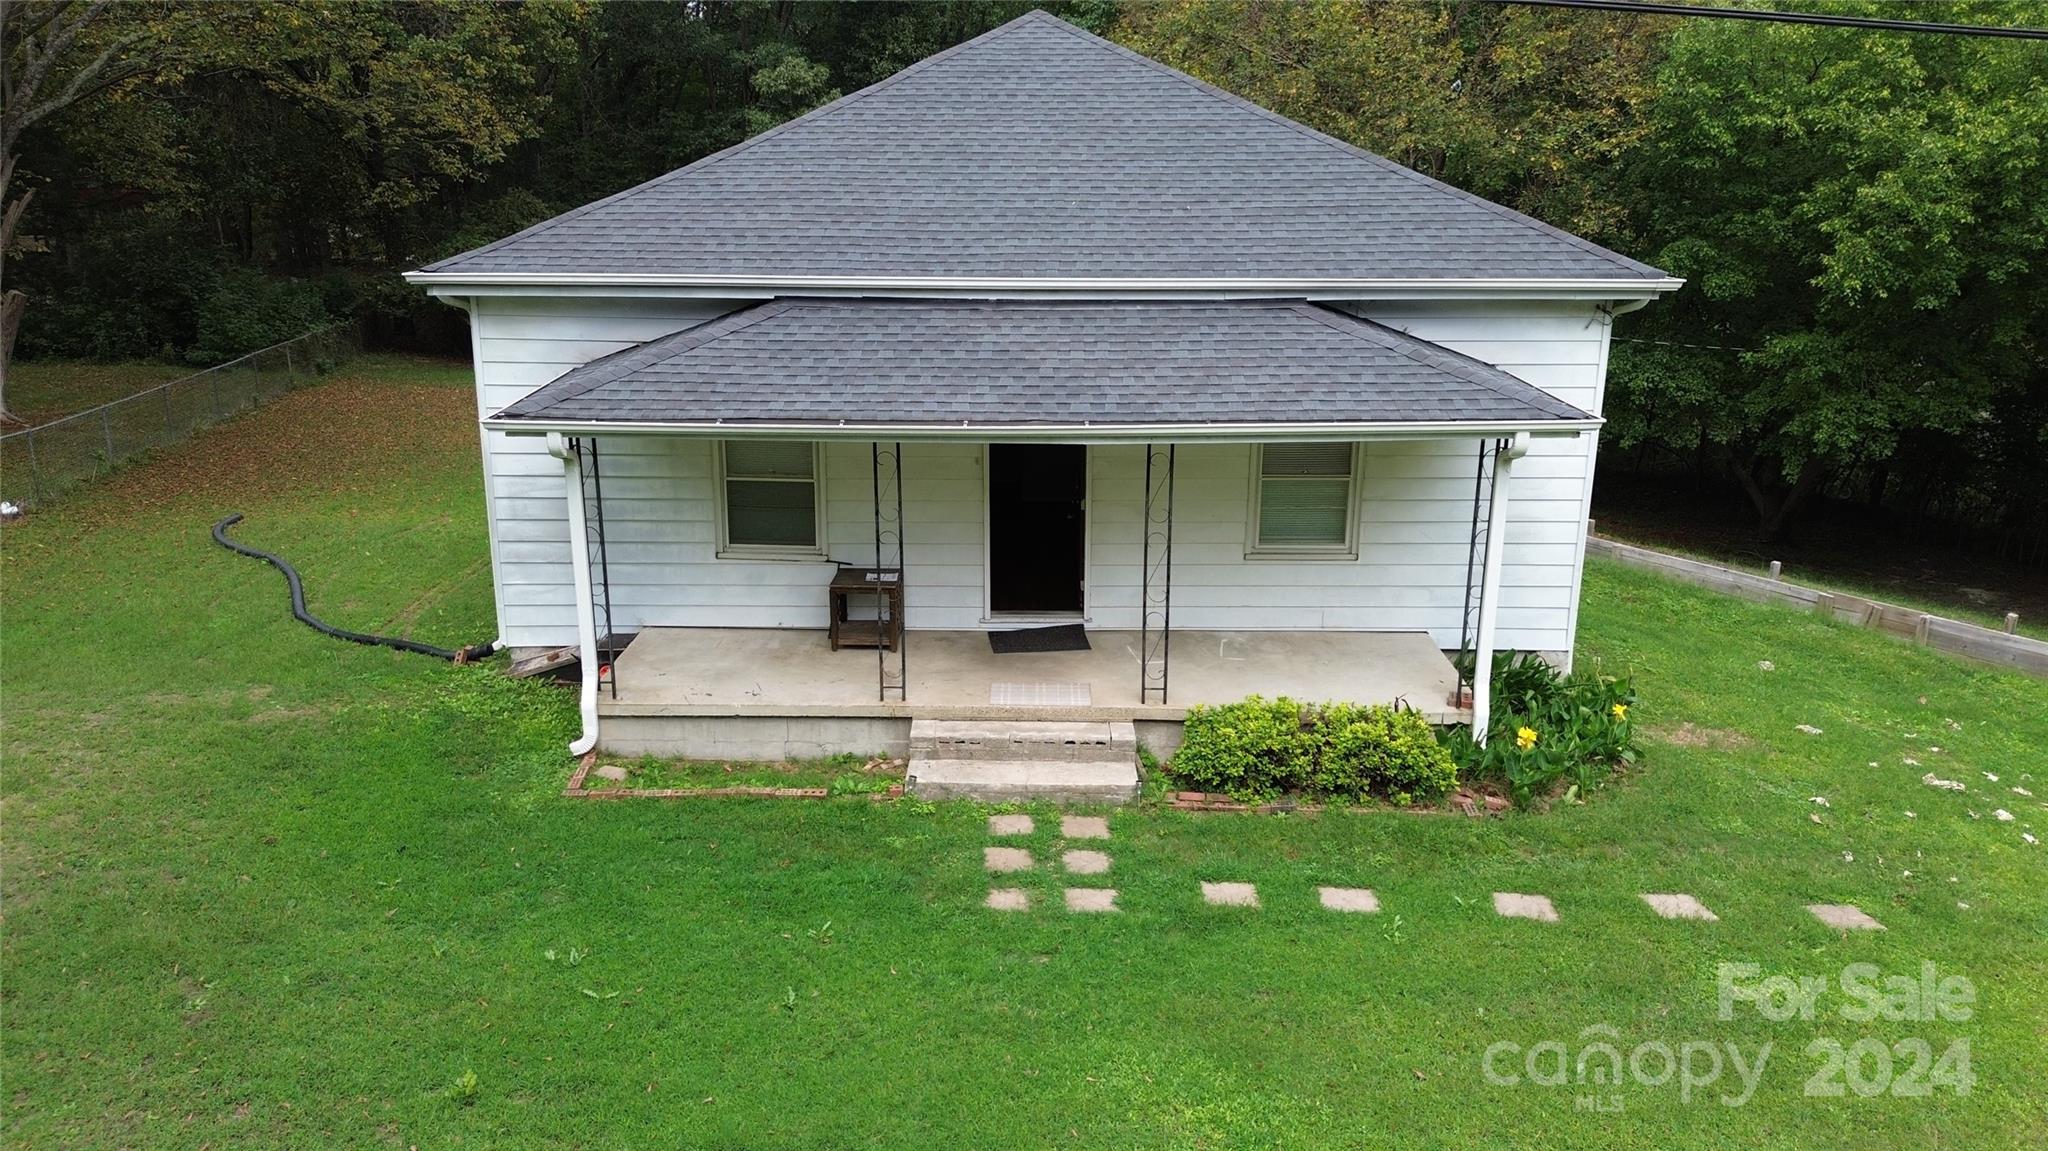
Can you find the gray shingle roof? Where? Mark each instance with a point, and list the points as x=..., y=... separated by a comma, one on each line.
x=934, y=362
x=1041, y=151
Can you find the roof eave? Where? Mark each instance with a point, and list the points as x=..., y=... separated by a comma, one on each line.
x=1090, y=433
x=447, y=284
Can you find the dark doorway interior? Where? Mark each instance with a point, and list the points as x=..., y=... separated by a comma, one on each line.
x=1036, y=526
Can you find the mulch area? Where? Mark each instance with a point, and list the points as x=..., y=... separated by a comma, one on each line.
x=579, y=779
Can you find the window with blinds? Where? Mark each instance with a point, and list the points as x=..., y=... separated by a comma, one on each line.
x=770, y=504
x=1305, y=496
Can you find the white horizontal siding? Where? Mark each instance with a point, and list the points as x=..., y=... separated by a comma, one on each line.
x=521, y=344
x=1414, y=514
x=1562, y=348
x=1414, y=531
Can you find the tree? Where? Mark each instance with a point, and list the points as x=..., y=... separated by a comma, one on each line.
x=1525, y=106
x=1862, y=218
x=53, y=55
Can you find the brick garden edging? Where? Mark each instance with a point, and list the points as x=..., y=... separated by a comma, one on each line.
x=1467, y=802
x=576, y=790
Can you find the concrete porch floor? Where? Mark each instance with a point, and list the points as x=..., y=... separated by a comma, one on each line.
x=790, y=673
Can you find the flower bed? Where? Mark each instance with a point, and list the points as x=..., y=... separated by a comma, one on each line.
x=1549, y=730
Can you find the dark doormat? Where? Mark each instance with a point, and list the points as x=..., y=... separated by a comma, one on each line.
x=1064, y=637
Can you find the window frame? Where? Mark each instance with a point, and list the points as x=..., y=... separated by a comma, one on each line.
x=722, y=512
x=1345, y=550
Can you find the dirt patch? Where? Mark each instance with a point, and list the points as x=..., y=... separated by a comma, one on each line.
x=1691, y=735
x=288, y=714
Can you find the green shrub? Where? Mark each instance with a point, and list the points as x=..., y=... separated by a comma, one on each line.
x=1258, y=748
x=1379, y=750
x=1252, y=748
x=1547, y=727
x=247, y=310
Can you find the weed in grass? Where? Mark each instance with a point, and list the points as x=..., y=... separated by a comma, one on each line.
x=464, y=1089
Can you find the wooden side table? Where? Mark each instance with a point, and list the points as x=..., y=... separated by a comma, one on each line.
x=857, y=586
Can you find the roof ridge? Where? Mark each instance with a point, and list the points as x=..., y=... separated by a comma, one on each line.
x=1391, y=166
x=724, y=153
x=1402, y=344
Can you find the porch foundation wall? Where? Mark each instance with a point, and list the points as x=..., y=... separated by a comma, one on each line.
x=1161, y=737
x=760, y=738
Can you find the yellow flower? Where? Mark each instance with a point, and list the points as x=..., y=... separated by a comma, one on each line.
x=1620, y=711
x=1525, y=738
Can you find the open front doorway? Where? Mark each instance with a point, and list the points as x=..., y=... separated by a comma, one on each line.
x=1037, y=529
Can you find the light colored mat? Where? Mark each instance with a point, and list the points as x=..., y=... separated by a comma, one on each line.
x=1051, y=694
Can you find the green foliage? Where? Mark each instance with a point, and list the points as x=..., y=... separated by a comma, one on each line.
x=1548, y=727
x=247, y=310
x=1258, y=748
x=1862, y=220
x=1378, y=750
x=1526, y=106
x=464, y=1089
x=1255, y=747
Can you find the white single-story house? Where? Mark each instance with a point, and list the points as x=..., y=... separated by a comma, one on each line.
x=1046, y=334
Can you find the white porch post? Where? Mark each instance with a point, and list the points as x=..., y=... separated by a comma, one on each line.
x=579, y=563
x=1489, y=584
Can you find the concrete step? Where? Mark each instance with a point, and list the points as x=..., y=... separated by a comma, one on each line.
x=1009, y=780
x=1037, y=740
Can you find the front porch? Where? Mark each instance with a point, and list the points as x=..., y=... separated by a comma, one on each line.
x=758, y=693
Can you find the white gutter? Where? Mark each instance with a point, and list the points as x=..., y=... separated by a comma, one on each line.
x=467, y=283
x=1489, y=586
x=1054, y=433
x=579, y=564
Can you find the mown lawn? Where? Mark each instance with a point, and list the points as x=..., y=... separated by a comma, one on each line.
x=265, y=889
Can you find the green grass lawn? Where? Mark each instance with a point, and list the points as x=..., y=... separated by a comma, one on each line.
x=265, y=889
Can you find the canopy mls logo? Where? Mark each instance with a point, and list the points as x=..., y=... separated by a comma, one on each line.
x=1861, y=993
x=1599, y=1066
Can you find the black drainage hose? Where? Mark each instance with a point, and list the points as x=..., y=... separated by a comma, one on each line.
x=299, y=612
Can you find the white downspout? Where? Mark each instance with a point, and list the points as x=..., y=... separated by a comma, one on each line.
x=1489, y=583
x=579, y=563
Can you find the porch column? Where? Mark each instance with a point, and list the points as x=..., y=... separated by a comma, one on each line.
x=560, y=447
x=1155, y=594
x=887, y=464
x=1504, y=457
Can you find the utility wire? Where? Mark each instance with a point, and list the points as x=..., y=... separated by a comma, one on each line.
x=1676, y=344
x=1647, y=8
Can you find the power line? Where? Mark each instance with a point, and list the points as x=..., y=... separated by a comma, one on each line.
x=1676, y=344
x=1646, y=8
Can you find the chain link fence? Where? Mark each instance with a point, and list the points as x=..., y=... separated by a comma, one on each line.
x=40, y=464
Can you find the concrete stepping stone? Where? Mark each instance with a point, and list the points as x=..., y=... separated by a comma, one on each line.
x=1092, y=899
x=1001, y=825
x=1085, y=862
x=1676, y=905
x=1084, y=827
x=1008, y=899
x=1230, y=894
x=1354, y=899
x=1513, y=906
x=1844, y=917
x=611, y=771
x=1006, y=859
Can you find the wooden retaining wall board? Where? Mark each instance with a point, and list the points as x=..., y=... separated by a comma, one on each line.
x=1982, y=644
